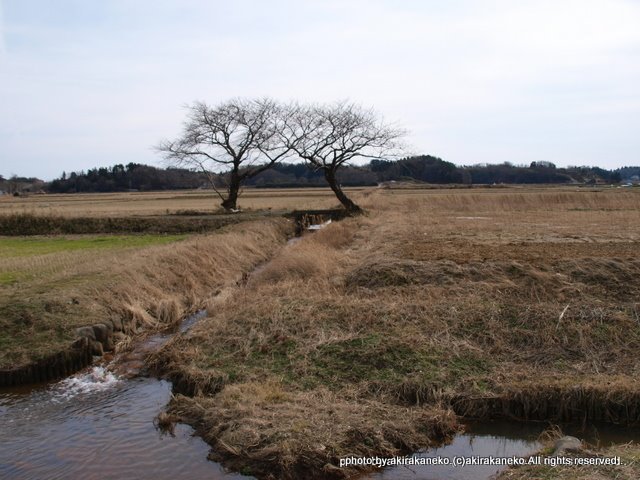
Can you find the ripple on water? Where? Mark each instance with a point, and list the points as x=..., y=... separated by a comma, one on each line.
x=97, y=379
x=97, y=425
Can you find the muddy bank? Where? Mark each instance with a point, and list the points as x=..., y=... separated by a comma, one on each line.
x=580, y=403
x=56, y=366
x=305, y=218
x=613, y=399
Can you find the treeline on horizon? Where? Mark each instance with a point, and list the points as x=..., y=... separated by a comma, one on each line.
x=423, y=168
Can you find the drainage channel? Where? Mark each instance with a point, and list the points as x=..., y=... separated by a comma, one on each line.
x=98, y=423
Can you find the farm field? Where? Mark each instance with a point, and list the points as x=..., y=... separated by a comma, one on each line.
x=165, y=202
x=205, y=201
x=376, y=336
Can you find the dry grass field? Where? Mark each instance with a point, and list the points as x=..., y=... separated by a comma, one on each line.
x=167, y=202
x=367, y=337
x=373, y=336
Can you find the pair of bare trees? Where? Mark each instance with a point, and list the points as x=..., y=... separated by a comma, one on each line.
x=241, y=138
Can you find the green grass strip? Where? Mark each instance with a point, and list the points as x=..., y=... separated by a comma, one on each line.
x=24, y=247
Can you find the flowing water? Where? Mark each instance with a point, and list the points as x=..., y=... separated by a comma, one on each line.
x=479, y=440
x=96, y=425
x=99, y=424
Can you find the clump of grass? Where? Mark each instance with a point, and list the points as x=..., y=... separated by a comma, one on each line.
x=137, y=316
x=302, y=261
x=286, y=434
x=385, y=271
x=315, y=257
x=169, y=311
x=166, y=423
x=337, y=235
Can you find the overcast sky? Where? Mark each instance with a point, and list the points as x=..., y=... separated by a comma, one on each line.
x=87, y=83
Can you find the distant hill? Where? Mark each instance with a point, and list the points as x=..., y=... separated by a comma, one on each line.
x=132, y=176
x=423, y=168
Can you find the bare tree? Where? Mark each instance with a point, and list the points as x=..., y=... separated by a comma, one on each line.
x=230, y=142
x=329, y=136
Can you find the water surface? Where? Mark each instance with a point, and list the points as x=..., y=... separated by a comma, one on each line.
x=97, y=425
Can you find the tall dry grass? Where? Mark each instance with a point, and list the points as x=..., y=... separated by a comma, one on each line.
x=316, y=256
x=152, y=286
x=487, y=306
x=167, y=282
x=510, y=199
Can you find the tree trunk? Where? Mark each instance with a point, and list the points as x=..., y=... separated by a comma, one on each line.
x=230, y=203
x=346, y=202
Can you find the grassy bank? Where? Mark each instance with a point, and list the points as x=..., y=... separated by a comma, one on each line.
x=52, y=285
x=366, y=337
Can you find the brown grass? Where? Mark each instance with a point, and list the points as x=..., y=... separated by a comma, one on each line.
x=151, y=286
x=489, y=303
x=629, y=469
x=314, y=257
x=166, y=202
x=287, y=434
x=516, y=199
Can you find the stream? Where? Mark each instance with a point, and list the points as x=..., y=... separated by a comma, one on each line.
x=99, y=424
x=95, y=425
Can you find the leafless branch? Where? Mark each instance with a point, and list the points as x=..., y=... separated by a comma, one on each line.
x=237, y=138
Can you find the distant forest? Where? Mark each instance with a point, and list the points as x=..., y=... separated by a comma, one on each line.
x=424, y=168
